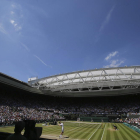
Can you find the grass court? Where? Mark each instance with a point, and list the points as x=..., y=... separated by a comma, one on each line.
x=85, y=131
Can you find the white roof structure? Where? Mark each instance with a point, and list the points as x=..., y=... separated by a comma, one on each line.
x=97, y=82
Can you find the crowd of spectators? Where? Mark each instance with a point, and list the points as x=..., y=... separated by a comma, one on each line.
x=101, y=106
x=19, y=106
x=14, y=108
x=132, y=120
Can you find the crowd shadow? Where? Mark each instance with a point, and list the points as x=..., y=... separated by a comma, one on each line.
x=30, y=132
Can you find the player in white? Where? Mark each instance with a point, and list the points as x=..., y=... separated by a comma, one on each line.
x=62, y=129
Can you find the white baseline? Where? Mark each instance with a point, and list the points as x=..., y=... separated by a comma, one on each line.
x=94, y=132
x=103, y=132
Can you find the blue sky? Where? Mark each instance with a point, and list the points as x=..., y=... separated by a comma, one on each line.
x=47, y=37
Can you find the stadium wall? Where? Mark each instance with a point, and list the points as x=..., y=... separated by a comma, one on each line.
x=94, y=119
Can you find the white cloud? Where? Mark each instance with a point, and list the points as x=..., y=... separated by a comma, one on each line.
x=111, y=55
x=42, y=61
x=106, y=19
x=17, y=28
x=16, y=20
x=12, y=12
x=13, y=5
x=104, y=23
x=2, y=29
x=114, y=63
x=25, y=47
x=12, y=21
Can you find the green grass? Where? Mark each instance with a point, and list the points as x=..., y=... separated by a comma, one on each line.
x=86, y=131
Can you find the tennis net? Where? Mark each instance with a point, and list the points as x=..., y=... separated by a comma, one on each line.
x=81, y=124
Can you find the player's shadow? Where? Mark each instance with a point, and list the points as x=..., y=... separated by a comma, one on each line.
x=66, y=137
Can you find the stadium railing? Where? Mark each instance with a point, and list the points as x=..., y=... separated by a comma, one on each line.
x=132, y=127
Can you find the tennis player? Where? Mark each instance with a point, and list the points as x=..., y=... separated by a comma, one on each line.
x=62, y=129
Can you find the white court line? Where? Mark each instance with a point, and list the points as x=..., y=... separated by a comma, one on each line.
x=49, y=135
x=82, y=122
x=73, y=129
x=103, y=132
x=94, y=132
x=77, y=128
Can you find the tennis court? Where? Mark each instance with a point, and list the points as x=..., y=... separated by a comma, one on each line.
x=85, y=131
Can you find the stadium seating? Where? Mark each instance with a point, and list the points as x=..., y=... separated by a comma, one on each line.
x=18, y=106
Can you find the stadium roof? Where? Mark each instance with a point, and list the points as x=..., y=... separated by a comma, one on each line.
x=97, y=82
x=9, y=83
